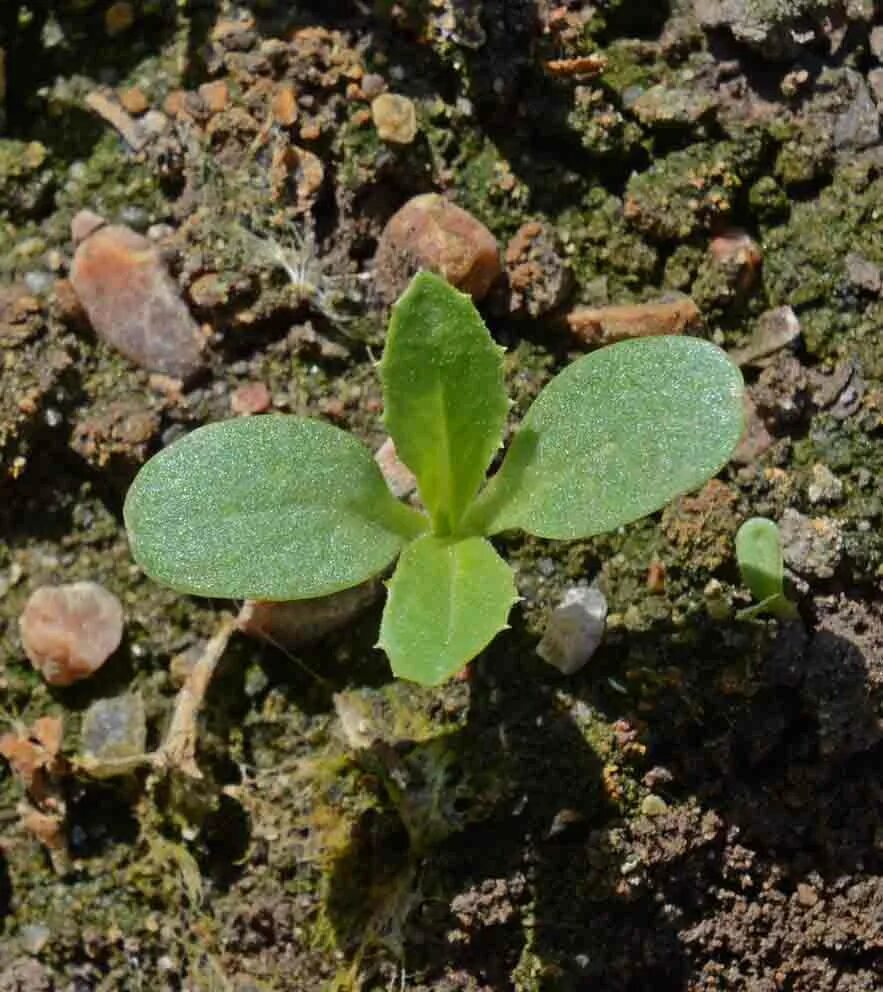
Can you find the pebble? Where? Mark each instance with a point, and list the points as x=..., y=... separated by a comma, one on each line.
x=134, y=101
x=215, y=95
x=806, y=895
x=131, y=301
x=372, y=85
x=395, y=118
x=737, y=252
x=119, y=17
x=209, y=291
x=400, y=479
x=114, y=734
x=653, y=805
x=292, y=166
x=430, y=232
x=39, y=282
x=859, y=125
x=775, y=329
x=575, y=629
x=812, y=547
x=825, y=486
x=539, y=278
x=34, y=937
x=291, y=624
x=599, y=326
x=250, y=398
x=755, y=440
x=284, y=105
x=863, y=274
x=69, y=631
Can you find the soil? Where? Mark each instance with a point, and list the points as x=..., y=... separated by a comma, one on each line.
x=701, y=807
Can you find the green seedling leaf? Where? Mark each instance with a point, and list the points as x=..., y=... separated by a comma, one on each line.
x=271, y=507
x=445, y=403
x=447, y=600
x=614, y=437
x=759, y=553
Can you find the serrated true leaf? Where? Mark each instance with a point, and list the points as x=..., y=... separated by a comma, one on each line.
x=759, y=553
x=447, y=600
x=614, y=437
x=444, y=399
x=272, y=507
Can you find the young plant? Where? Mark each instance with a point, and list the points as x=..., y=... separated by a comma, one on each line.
x=759, y=553
x=281, y=508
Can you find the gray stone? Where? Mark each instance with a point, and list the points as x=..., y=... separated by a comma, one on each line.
x=575, y=630
x=812, y=547
x=858, y=126
x=863, y=274
x=114, y=735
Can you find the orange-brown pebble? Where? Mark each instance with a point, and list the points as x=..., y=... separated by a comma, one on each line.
x=69, y=631
x=598, y=326
x=134, y=100
x=395, y=118
x=251, y=398
x=119, y=17
x=131, y=301
x=174, y=102
x=215, y=95
x=310, y=131
x=738, y=252
x=284, y=105
x=430, y=232
x=656, y=577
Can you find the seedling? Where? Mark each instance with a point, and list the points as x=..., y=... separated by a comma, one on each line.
x=280, y=507
x=759, y=553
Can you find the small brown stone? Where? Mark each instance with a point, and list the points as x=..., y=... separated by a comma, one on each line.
x=656, y=578
x=430, y=232
x=310, y=131
x=118, y=18
x=807, y=895
x=117, y=117
x=284, y=105
x=251, y=398
x=582, y=66
x=69, y=631
x=539, y=278
x=755, y=440
x=215, y=95
x=298, y=168
x=395, y=118
x=737, y=252
x=598, y=326
x=173, y=104
x=132, y=303
x=209, y=291
x=134, y=100
x=121, y=429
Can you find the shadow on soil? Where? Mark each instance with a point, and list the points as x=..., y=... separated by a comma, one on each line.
x=761, y=741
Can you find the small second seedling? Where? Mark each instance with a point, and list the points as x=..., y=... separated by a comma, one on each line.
x=759, y=553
